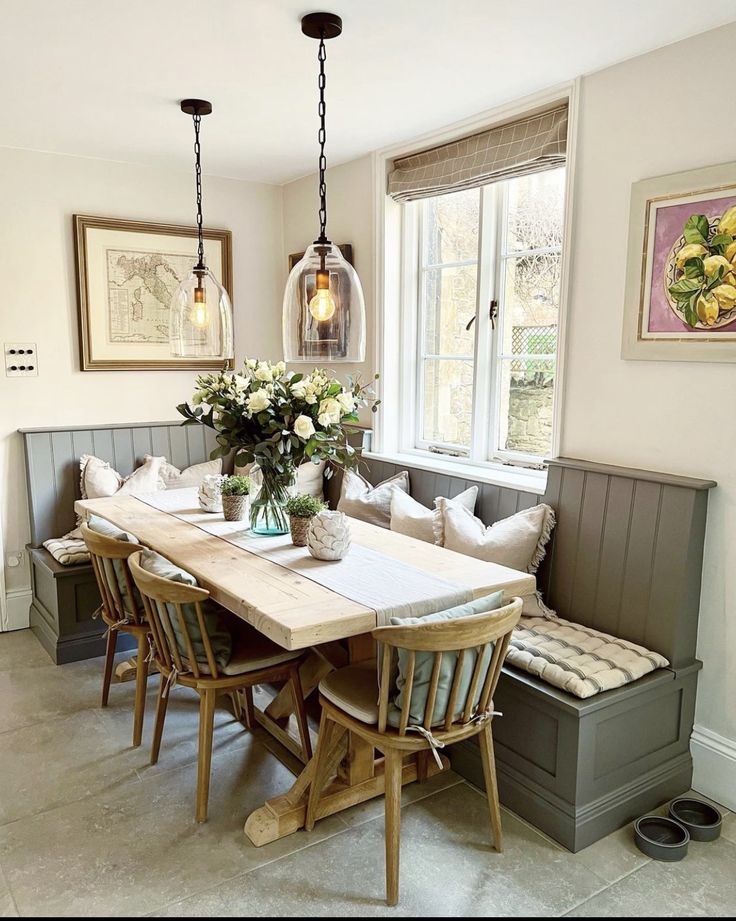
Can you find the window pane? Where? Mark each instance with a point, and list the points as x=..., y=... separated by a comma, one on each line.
x=451, y=227
x=531, y=300
x=526, y=397
x=448, y=396
x=449, y=304
x=535, y=211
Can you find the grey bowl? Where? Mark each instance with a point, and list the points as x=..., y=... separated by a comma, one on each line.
x=661, y=838
x=702, y=821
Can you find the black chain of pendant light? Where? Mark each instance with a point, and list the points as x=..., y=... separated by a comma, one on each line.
x=322, y=138
x=197, y=119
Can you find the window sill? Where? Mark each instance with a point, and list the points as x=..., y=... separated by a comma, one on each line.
x=533, y=481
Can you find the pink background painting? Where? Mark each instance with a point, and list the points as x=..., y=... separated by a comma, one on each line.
x=668, y=228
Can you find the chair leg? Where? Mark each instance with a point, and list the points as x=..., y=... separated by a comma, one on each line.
x=489, y=774
x=320, y=761
x=422, y=766
x=141, y=683
x=206, y=729
x=393, y=767
x=250, y=713
x=162, y=703
x=112, y=641
x=300, y=711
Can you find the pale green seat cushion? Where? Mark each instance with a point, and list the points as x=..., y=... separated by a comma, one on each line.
x=424, y=663
x=108, y=529
x=215, y=617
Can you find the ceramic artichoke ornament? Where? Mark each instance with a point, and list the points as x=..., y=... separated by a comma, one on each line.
x=210, y=499
x=329, y=536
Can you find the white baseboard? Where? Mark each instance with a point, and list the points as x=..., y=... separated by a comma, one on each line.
x=17, y=609
x=714, y=766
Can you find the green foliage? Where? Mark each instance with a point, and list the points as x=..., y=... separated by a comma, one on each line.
x=696, y=229
x=693, y=281
x=235, y=486
x=304, y=506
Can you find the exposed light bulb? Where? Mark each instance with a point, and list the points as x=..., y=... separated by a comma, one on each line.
x=200, y=315
x=322, y=307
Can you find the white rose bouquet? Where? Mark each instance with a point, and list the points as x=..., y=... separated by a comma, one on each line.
x=279, y=419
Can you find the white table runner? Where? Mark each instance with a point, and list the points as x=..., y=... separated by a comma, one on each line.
x=380, y=582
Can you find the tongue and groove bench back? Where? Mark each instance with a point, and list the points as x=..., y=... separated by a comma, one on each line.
x=626, y=559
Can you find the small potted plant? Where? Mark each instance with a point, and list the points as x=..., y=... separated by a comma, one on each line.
x=301, y=509
x=235, y=491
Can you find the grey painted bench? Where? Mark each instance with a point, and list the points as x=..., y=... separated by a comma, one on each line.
x=625, y=558
x=65, y=597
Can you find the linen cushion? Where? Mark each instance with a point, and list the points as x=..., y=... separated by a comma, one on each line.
x=358, y=499
x=252, y=650
x=354, y=689
x=215, y=617
x=424, y=663
x=173, y=478
x=98, y=479
x=578, y=659
x=108, y=529
x=416, y=520
x=518, y=541
x=69, y=551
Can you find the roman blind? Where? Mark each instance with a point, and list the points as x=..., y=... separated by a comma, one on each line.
x=527, y=145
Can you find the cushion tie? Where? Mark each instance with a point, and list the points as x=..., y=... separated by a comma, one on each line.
x=171, y=680
x=116, y=626
x=434, y=742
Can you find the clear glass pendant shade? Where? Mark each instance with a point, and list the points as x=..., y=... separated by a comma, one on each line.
x=324, y=309
x=201, y=323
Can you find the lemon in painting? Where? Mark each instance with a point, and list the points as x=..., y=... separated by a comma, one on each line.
x=727, y=223
x=731, y=251
x=726, y=297
x=690, y=251
x=712, y=263
x=707, y=309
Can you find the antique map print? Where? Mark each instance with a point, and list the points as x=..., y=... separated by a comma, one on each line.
x=140, y=286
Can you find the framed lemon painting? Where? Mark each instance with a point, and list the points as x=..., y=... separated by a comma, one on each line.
x=681, y=275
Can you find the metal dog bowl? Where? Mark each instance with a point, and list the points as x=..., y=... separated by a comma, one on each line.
x=661, y=838
x=702, y=821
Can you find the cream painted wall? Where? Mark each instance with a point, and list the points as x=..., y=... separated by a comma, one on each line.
x=666, y=416
x=39, y=193
x=350, y=220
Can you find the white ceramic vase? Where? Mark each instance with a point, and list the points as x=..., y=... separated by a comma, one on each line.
x=209, y=496
x=329, y=536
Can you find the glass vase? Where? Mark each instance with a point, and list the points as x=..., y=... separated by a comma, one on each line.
x=270, y=491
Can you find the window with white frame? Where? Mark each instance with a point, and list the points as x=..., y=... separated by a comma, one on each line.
x=482, y=282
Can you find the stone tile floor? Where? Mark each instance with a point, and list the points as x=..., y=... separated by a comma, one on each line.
x=88, y=828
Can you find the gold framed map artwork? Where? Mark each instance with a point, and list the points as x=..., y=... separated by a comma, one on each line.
x=127, y=273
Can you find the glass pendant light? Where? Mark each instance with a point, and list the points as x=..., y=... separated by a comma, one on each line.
x=201, y=319
x=324, y=310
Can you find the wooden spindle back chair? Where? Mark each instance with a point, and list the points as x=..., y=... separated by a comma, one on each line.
x=468, y=711
x=109, y=558
x=176, y=659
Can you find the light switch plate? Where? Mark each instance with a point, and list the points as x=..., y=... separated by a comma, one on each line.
x=21, y=359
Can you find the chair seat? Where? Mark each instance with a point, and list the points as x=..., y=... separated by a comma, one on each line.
x=253, y=651
x=354, y=689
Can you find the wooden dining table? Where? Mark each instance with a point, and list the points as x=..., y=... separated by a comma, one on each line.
x=298, y=612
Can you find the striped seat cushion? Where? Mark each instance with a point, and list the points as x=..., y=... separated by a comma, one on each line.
x=578, y=659
x=67, y=550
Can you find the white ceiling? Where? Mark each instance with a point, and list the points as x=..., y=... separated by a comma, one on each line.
x=99, y=78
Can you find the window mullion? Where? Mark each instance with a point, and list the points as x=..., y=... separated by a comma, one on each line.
x=482, y=369
x=500, y=212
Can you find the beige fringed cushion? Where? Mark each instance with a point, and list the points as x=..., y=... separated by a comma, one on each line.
x=173, y=478
x=67, y=550
x=99, y=480
x=310, y=478
x=358, y=499
x=578, y=659
x=416, y=520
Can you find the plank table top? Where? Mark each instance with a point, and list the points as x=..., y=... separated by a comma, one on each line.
x=293, y=610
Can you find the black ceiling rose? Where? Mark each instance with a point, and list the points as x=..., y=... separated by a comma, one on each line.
x=322, y=25
x=196, y=107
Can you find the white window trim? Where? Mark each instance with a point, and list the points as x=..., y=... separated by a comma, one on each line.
x=396, y=281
